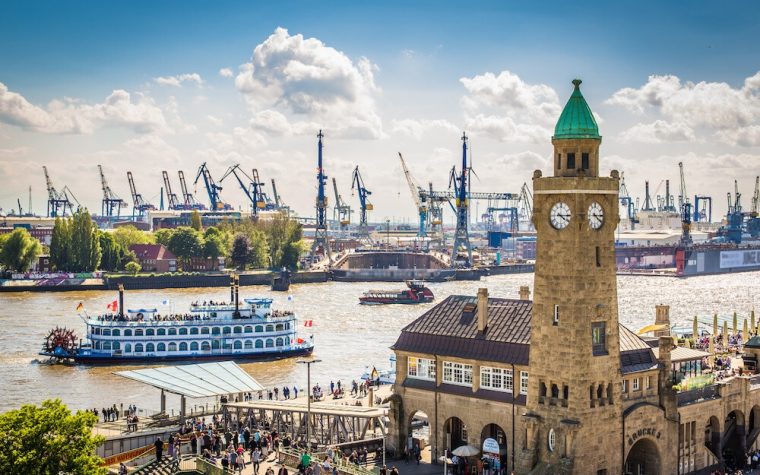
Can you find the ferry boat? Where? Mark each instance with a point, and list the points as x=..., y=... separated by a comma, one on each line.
x=417, y=293
x=209, y=330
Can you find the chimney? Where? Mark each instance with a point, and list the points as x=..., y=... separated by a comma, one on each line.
x=662, y=317
x=482, y=309
x=524, y=292
x=665, y=376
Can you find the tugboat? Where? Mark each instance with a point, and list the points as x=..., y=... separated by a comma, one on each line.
x=417, y=293
x=281, y=282
x=250, y=329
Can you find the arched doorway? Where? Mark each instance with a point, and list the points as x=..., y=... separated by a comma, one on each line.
x=754, y=420
x=734, y=440
x=418, y=435
x=493, y=444
x=643, y=458
x=455, y=433
x=712, y=436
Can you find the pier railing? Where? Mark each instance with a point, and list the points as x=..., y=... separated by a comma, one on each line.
x=693, y=396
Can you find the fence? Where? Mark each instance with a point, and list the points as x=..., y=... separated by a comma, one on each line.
x=698, y=395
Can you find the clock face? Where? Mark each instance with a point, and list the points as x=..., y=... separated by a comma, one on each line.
x=560, y=215
x=595, y=215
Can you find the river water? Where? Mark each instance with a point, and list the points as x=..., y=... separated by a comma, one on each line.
x=348, y=336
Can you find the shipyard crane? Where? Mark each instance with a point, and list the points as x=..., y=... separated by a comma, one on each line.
x=321, y=238
x=684, y=208
x=648, y=205
x=110, y=201
x=683, y=197
x=435, y=219
x=212, y=188
x=459, y=183
x=252, y=189
x=357, y=184
x=702, y=214
x=171, y=197
x=756, y=198
x=188, y=198
x=279, y=205
x=56, y=201
x=526, y=203
x=342, y=210
x=669, y=205
x=418, y=194
x=625, y=200
x=139, y=205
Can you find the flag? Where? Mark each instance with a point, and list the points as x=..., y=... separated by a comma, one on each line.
x=308, y=323
x=374, y=373
x=80, y=307
x=300, y=340
x=113, y=306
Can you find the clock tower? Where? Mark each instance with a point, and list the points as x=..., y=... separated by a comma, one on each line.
x=573, y=404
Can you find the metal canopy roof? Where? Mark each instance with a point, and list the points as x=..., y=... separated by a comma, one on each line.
x=197, y=380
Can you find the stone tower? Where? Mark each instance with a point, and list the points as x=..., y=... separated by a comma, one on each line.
x=573, y=404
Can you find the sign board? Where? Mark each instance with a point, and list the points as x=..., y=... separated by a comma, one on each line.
x=745, y=258
x=490, y=446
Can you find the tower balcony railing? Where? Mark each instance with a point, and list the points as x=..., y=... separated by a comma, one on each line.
x=703, y=394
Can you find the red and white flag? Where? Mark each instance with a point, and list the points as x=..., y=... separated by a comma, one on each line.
x=113, y=306
x=308, y=323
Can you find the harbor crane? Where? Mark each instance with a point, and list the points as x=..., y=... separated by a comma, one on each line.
x=139, y=205
x=57, y=202
x=321, y=239
x=171, y=197
x=459, y=183
x=342, y=210
x=648, y=205
x=526, y=203
x=753, y=220
x=625, y=200
x=110, y=201
x=684, y=208
x=279, y=205
x=419, y=197
x=357, y=183
x=189, y=200
x=252, y=190
x=212, y=188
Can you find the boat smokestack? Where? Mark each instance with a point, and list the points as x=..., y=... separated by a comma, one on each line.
x=121, y=300
x=524, y=292
x=237, y=295
x=482, y=309
x=662, y=317
x=232, y=287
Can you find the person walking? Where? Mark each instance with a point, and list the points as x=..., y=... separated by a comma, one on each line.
x=282, y=471
x=159, y=445
x=256, y=459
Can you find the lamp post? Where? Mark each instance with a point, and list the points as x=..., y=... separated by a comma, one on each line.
x=308, y=364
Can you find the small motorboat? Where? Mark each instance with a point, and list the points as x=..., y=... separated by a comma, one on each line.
x=416, y=293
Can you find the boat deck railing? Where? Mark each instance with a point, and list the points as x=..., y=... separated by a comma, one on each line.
x=192, y=321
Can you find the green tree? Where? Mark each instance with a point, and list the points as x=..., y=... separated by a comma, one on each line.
x=195, y=221
x=186, y=243
x=19, y=250
x=214, y=248
x=259, y=254
x=241, y=247
x=133, y=267
x=60, y=245
x=128, y=235
x=49, y=439
x=112, y=254
x=163, y=236
x=85, y=245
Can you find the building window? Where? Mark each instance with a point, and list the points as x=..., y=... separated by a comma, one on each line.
x=625, y=386
x=457, y=373
x=498, y=379
x=552, y=440
x=598, y=257
x=584, y=161
x=649, y=382
x=570, y=161
x=636, y=384
x=420, y=368
x=559, y=161
x=523, y=382
x=598, y=338
x=555, y=320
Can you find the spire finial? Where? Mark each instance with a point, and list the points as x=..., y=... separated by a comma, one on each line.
x=577, y=83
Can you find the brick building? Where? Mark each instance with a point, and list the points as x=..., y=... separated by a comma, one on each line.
x=154, y=257
x=558, y=383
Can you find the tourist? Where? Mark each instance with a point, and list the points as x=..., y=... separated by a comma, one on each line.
x=394, y=470
x=171, y=446
x=269, y=471
x=384, y=470
x=295, y=391
x=277, y=393
x=159, y=444
x=256, y=459
x=122, y=469
x=282, y=470
x=194, y=444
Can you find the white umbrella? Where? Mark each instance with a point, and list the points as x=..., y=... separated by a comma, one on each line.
x=466, y=451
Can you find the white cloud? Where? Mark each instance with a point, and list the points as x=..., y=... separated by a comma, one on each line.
x=748, y=136
x=70, y=116
x=215, y=120
x=312, y=82
x=418, y=128
x=527, y=160
x=176, y=81
x=14, y=152
x=659, y=131
x=507, y=108
x=226, y=73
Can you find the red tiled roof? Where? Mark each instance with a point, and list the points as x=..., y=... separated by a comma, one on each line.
x=152, y=251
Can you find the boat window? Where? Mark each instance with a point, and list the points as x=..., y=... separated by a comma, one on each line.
x=150, y=347
x=287, y=341
x=279, y=342
x=106, y=345
x=238, y=345
x=138, y=348
x=138, y=332
x=259, y=328
x=95, y=331
x=172, y=346
x=237, y=330
x=116, y=332
x=248, y=329
x=259, y=343
x=287, y=326
x=194, y=331
x=172, y=331
x=107, y=331
x=215, y=344
x=226, y=330
x=96, y=345
x=279, y=327
x=215, y=331
x=205, y=346
x=204, y=331
x=115, y=345
x=248, y=344
x=270, y=328
x=183, y=331
x=128, y=332
x=182, y=346
x=270, y=343
x=161, y=347
x=161, y=332
x=128, y=348
x=149, y=332
x=193, y=346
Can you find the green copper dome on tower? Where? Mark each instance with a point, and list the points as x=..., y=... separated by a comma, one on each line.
x=577, y=120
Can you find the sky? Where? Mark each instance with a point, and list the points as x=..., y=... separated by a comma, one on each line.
x=151, y=86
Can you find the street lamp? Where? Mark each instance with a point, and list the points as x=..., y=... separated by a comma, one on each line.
x=308, y=364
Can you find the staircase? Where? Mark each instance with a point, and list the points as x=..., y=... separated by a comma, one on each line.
x=166, y=466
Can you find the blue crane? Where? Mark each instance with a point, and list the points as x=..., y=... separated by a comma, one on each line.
x=56, y=200
x=321, y=239
x=139, y=205
x=212, y=188
x=110, y=201
x=419, y=196
x=364, y=204
x=459, y=183
x=625, y=200
x=253, y=188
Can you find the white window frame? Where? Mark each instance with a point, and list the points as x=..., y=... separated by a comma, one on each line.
x=649, y=382
x=490, y=373
x=625, y=386
x=636, y=384
x=424, y=368
x=459, y=374
x=524, y=382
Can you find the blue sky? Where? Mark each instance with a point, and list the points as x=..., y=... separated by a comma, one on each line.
x=392, y=76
